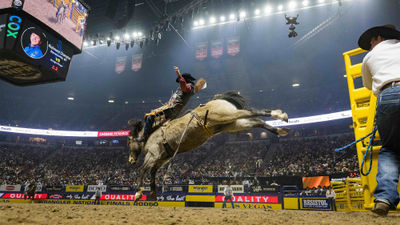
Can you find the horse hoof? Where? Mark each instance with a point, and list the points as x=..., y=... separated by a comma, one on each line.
x=283, y=131
x=284, y=117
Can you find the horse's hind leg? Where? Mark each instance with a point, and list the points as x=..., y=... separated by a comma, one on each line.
x=229, y=116
x=245, y=124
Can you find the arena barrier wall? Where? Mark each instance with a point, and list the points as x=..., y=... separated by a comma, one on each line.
x=363, y=107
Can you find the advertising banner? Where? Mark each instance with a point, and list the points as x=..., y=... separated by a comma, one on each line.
x=74, y=188
x=119, y=188
x=250, y=205
x=55, y=196
x=119, y=133
x=171, y=198
x=173, y=188
x=21, y=196
x=250, y=199
x=235, y=188
x=122, y=197
x=217, y=49
x=201, y=50
x=315, y=203
x=264, y=189
x=7, y=187
x=200, y=189
x=79, y=196
x=93, y=188
x=54, y=188
x=120, y=64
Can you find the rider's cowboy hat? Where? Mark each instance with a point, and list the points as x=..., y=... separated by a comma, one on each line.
x=188, y=78
x=387, y=31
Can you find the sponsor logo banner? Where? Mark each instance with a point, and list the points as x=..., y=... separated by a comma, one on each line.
x=1, y=194
x=55, y=196
x=122, y=197
x=200, y=188
x=250, y=199
x=114, y=188
x=235, y=188
x=6, y=187
x=264, y=189
x=93, y=188
x=78, y=196
x=137, y=62
x=54, y=188
x=217, y=49
x=74, y=188
x=315, y=203
x=21, y=196
x=250, y=205
x=119, y=133
x=120, y=64
x=201, y=50
x=233, y=47
x=171, y=198
x=173, y=188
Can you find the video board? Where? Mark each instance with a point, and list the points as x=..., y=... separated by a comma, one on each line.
x=5, y=4
x=66, y=17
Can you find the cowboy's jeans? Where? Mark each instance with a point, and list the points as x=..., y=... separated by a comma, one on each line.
x=388, y=122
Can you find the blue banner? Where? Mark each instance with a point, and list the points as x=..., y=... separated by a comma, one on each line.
x=316, y=203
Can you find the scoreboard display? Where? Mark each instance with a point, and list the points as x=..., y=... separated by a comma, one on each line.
x=38, y=39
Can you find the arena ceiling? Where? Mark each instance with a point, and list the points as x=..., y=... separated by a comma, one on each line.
x=264, y=71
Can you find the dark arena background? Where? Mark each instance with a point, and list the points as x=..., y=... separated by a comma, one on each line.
x=63, y=136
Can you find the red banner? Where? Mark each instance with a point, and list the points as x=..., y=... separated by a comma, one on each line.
x=217, y=49
x=201, y=50
x=250, y=199
x=122, y=197
x=120, y=64
x=233, y=47
x=137, y=62
x=118, y=133
x=21, y=196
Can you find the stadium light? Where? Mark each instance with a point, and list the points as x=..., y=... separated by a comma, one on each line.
x=222, y=18
x=295, y=85
x=257, y=12
x=196, y=23
x=135, y=34
x=201, y=22
x=110, y=101
x=85, y=43
x=70, y=98
x=126, y=36
x=126, y=102
x=117, y=38
x=267, y=10
x=280, y=7
x=212, y=20
x=232, y=16
x=321, y=1
x=139, y=34
x=292, y=5
x=242, y=14
x=305, y=3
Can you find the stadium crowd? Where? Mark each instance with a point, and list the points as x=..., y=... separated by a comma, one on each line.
x=258, y=158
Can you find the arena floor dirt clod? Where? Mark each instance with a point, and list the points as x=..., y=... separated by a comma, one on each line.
x=80, y=214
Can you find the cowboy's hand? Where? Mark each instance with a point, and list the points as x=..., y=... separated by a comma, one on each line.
x=176, y=69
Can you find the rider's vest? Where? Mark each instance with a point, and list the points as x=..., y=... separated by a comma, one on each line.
x=175, y=104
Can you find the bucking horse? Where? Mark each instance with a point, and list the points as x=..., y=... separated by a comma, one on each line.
x=227, y=112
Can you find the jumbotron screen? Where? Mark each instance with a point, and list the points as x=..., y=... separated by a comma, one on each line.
x=66, y=17
x=5, y=4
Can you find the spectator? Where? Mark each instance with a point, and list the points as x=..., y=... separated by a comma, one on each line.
x=331, y=195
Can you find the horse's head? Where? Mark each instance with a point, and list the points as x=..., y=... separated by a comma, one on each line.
x=135, y=147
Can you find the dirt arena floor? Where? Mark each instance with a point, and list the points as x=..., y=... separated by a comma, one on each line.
x=88, y=214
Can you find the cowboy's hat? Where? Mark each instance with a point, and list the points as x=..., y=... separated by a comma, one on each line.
x=387, y=31
x=188, y=78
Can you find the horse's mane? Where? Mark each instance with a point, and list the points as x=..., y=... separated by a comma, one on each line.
x=233, y=97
